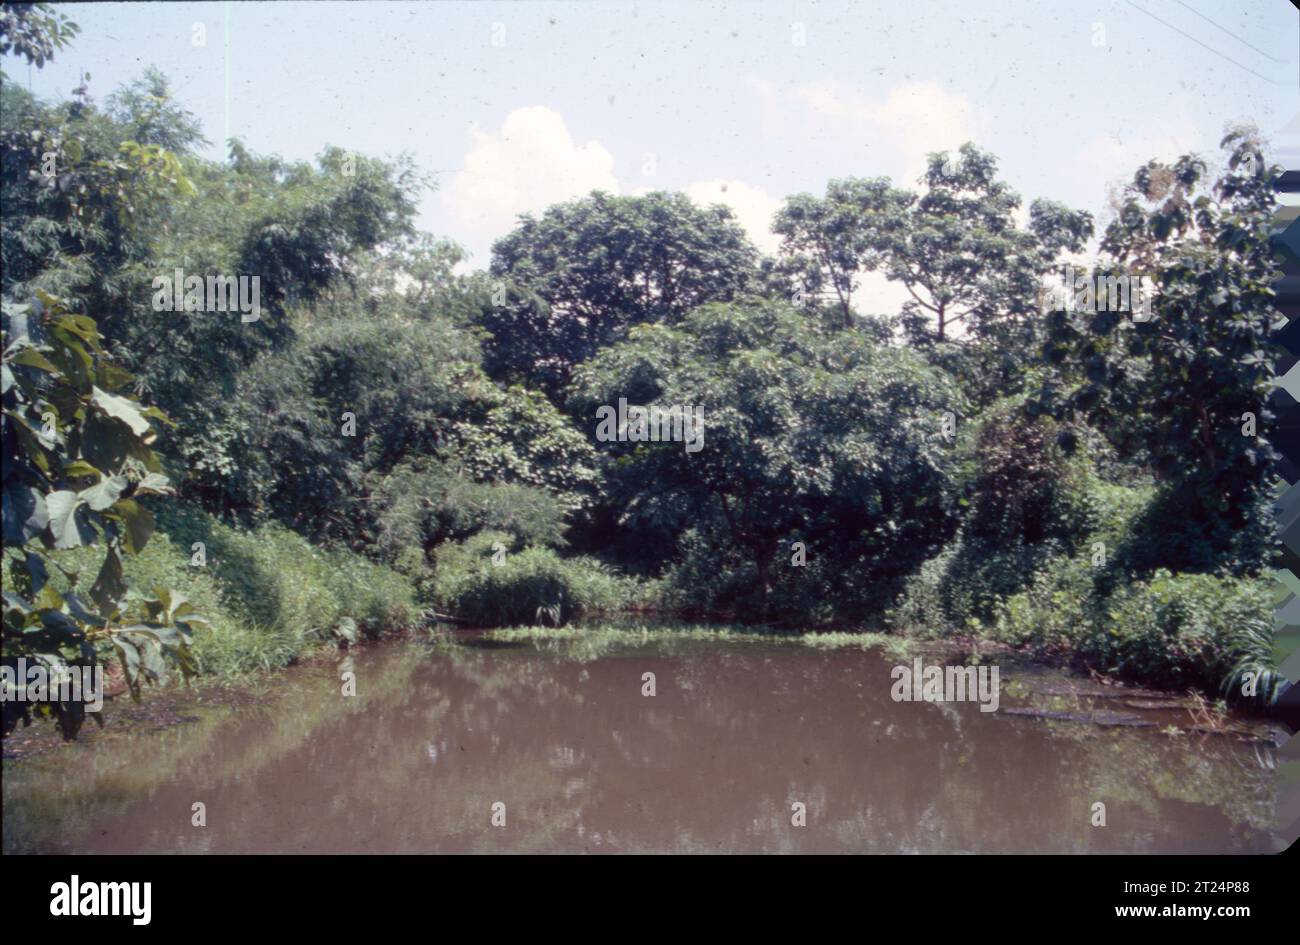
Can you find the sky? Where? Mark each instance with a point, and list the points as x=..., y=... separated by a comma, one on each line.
x=514, y=106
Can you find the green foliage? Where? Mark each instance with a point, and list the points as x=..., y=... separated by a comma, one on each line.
x=1025, y=488
x=78, y=465
x=1169, y=630
x=970, y=271
x=1176, y=630
x=34, y=31
x=1184, y=631
x=389, y=405
x=267, y=593
x=1028, y=503
x=322, y=420
x=522, y=439
x=713, y=579
x=578, y=277
x=1029, y=512
x=828, y=241
x=85, y=203
x=922, y=608
x=1177, y=529
x=422, y=504
x=812, y=436
x=528, y=586
x=964, y=261
x=1174, y=392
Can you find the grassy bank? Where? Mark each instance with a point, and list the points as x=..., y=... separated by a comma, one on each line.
x=267, y=593
x=269, y=596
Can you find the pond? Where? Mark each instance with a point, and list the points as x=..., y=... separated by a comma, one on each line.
x=481, y=744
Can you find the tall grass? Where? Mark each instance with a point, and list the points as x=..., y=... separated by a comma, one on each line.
x=267, y=593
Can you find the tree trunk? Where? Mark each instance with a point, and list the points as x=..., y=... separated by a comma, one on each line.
x=763, y=564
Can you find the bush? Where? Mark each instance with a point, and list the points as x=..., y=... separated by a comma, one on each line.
x=1176, y=631
x=1025, y=490
x=921, y=609
x=713, y=580
x=966, y=585
x=1185, y=526
x=530, y=585
x=1029, y=504
x=1050, y=615
x=421, y=504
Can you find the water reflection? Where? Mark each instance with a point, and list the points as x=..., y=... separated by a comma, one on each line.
x=583, y=761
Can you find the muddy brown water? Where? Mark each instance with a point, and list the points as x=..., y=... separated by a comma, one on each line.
x=562, y=736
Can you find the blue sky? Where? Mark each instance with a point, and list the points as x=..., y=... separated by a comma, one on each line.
x=518, y=105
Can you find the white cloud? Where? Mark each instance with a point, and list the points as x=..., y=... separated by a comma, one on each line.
x=533, y=162
x=1108, y=159
x=527, y=165
x=894, y=133
x=753, y=207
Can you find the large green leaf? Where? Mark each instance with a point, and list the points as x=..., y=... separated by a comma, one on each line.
x=121, y=408
x=104, y=493
x=69, y=527
x=110, y=585
x=32, y=357
x=138, y=522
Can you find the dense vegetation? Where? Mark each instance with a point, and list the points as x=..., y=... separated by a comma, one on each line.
x=393, y=440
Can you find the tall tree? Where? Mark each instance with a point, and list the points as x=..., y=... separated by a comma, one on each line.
x=824, y=437
x=973, y=275
x=577, y=278
x=829, y=241
x=1185, y=389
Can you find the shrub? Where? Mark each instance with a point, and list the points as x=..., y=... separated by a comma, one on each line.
x=1025, y=489
x=1029, y=504
x=530, y=585
x=1050, y=615
x=967, y=584
x=921, y=608
x=420, y=504
x=1186, y=526
x=1175, y=631
x=713, y=580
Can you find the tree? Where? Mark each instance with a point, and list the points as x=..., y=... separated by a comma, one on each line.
x=146, y=113
x=77, y=467
x=85, y=204
x=959, y=255
x=347, y=402
x=972, y=274
x=1186, y=389
x=822, y=437
x=576, y=279
x=829, y=241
